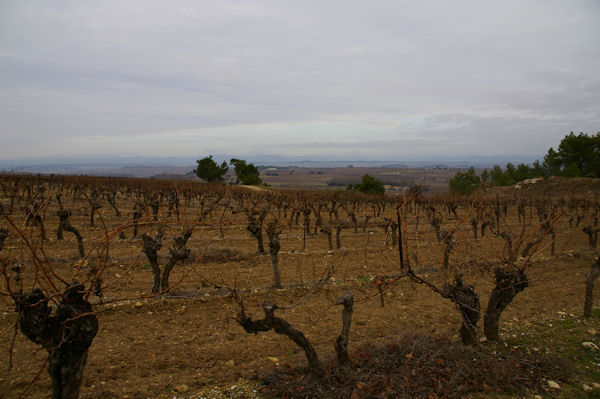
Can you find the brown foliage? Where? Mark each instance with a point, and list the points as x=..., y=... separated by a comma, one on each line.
x=418, y=366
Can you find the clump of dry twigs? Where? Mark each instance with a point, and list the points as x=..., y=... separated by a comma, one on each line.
x=419, y=366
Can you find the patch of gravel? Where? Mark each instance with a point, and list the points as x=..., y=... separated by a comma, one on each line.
x=242, y=388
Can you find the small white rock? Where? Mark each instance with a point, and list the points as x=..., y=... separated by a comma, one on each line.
x=587, y=388
x=590, y=345
x=182, y=388
x=553, y=384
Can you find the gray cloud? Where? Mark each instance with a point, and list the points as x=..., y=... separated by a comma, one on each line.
x=163, y=78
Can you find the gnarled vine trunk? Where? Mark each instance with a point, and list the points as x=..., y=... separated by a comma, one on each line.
x=280, y=326
x=327, y=232
x=65, y=225
x=66, y=334
x=341, y=342
x=589, y=288
x=178, y=251
x=467, y=302
x=508, y=285
x=3, y=236
x=274, y=246
x=255, y=222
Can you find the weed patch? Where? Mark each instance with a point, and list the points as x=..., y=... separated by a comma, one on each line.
x=421, y=366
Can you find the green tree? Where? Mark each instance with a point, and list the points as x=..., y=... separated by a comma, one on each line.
x=246, y=173
x=369, y=185
x=208, y=169
x=539, y=170
x=496, y=175
x=572, y=170
x=511, y=172
x=581, y=150
x=552, y=162
x=485, y=176
x=464, y=182
x=503, y=178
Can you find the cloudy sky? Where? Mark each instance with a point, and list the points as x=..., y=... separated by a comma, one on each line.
x=374, y=80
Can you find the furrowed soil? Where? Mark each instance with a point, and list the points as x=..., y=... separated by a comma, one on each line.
x=187, y=343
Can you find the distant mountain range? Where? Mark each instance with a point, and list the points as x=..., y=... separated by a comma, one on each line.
x=141, y=166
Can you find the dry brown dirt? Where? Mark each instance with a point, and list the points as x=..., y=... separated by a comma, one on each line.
x=188, y=342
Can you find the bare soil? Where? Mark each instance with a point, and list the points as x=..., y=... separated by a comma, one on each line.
x=187, y=344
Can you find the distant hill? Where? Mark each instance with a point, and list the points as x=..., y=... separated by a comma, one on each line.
x=152, y=166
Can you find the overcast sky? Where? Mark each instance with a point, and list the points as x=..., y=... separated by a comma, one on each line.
x=374, y=80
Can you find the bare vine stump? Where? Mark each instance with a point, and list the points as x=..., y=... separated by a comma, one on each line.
x=341, y=342
x=484, y=226
x=280, y=326
x=467, y=302
x=3, y=235
x=318, y=220
x=296, y=217
x=64, y=224
x=113, y=202
x=366, y=222
x=154, y=205
x=35, y=219
x=338, y=235
x=592, y=234
x=327, y=232
x=137, y=215
x=589, y=288
x=66, y=335
x=179, y=253
x=510, y=249
x=474, y=224
x=354, y=220
x=306, y=213
x=150, y=249
x=452, y=210
x=255, y=221
x=394, y=227
x=447, y=237
x=273, y=233
x=62, y=221
x=379, y=282
x=508, y=285
x=94, y=206
x=435, y=223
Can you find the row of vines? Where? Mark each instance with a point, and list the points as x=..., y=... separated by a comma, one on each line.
x=71, y=246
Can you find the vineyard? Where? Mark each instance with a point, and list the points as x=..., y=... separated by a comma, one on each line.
x=137, y=288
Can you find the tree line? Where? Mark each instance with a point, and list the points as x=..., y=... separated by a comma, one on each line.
x=575, y=156
x=247, y=173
